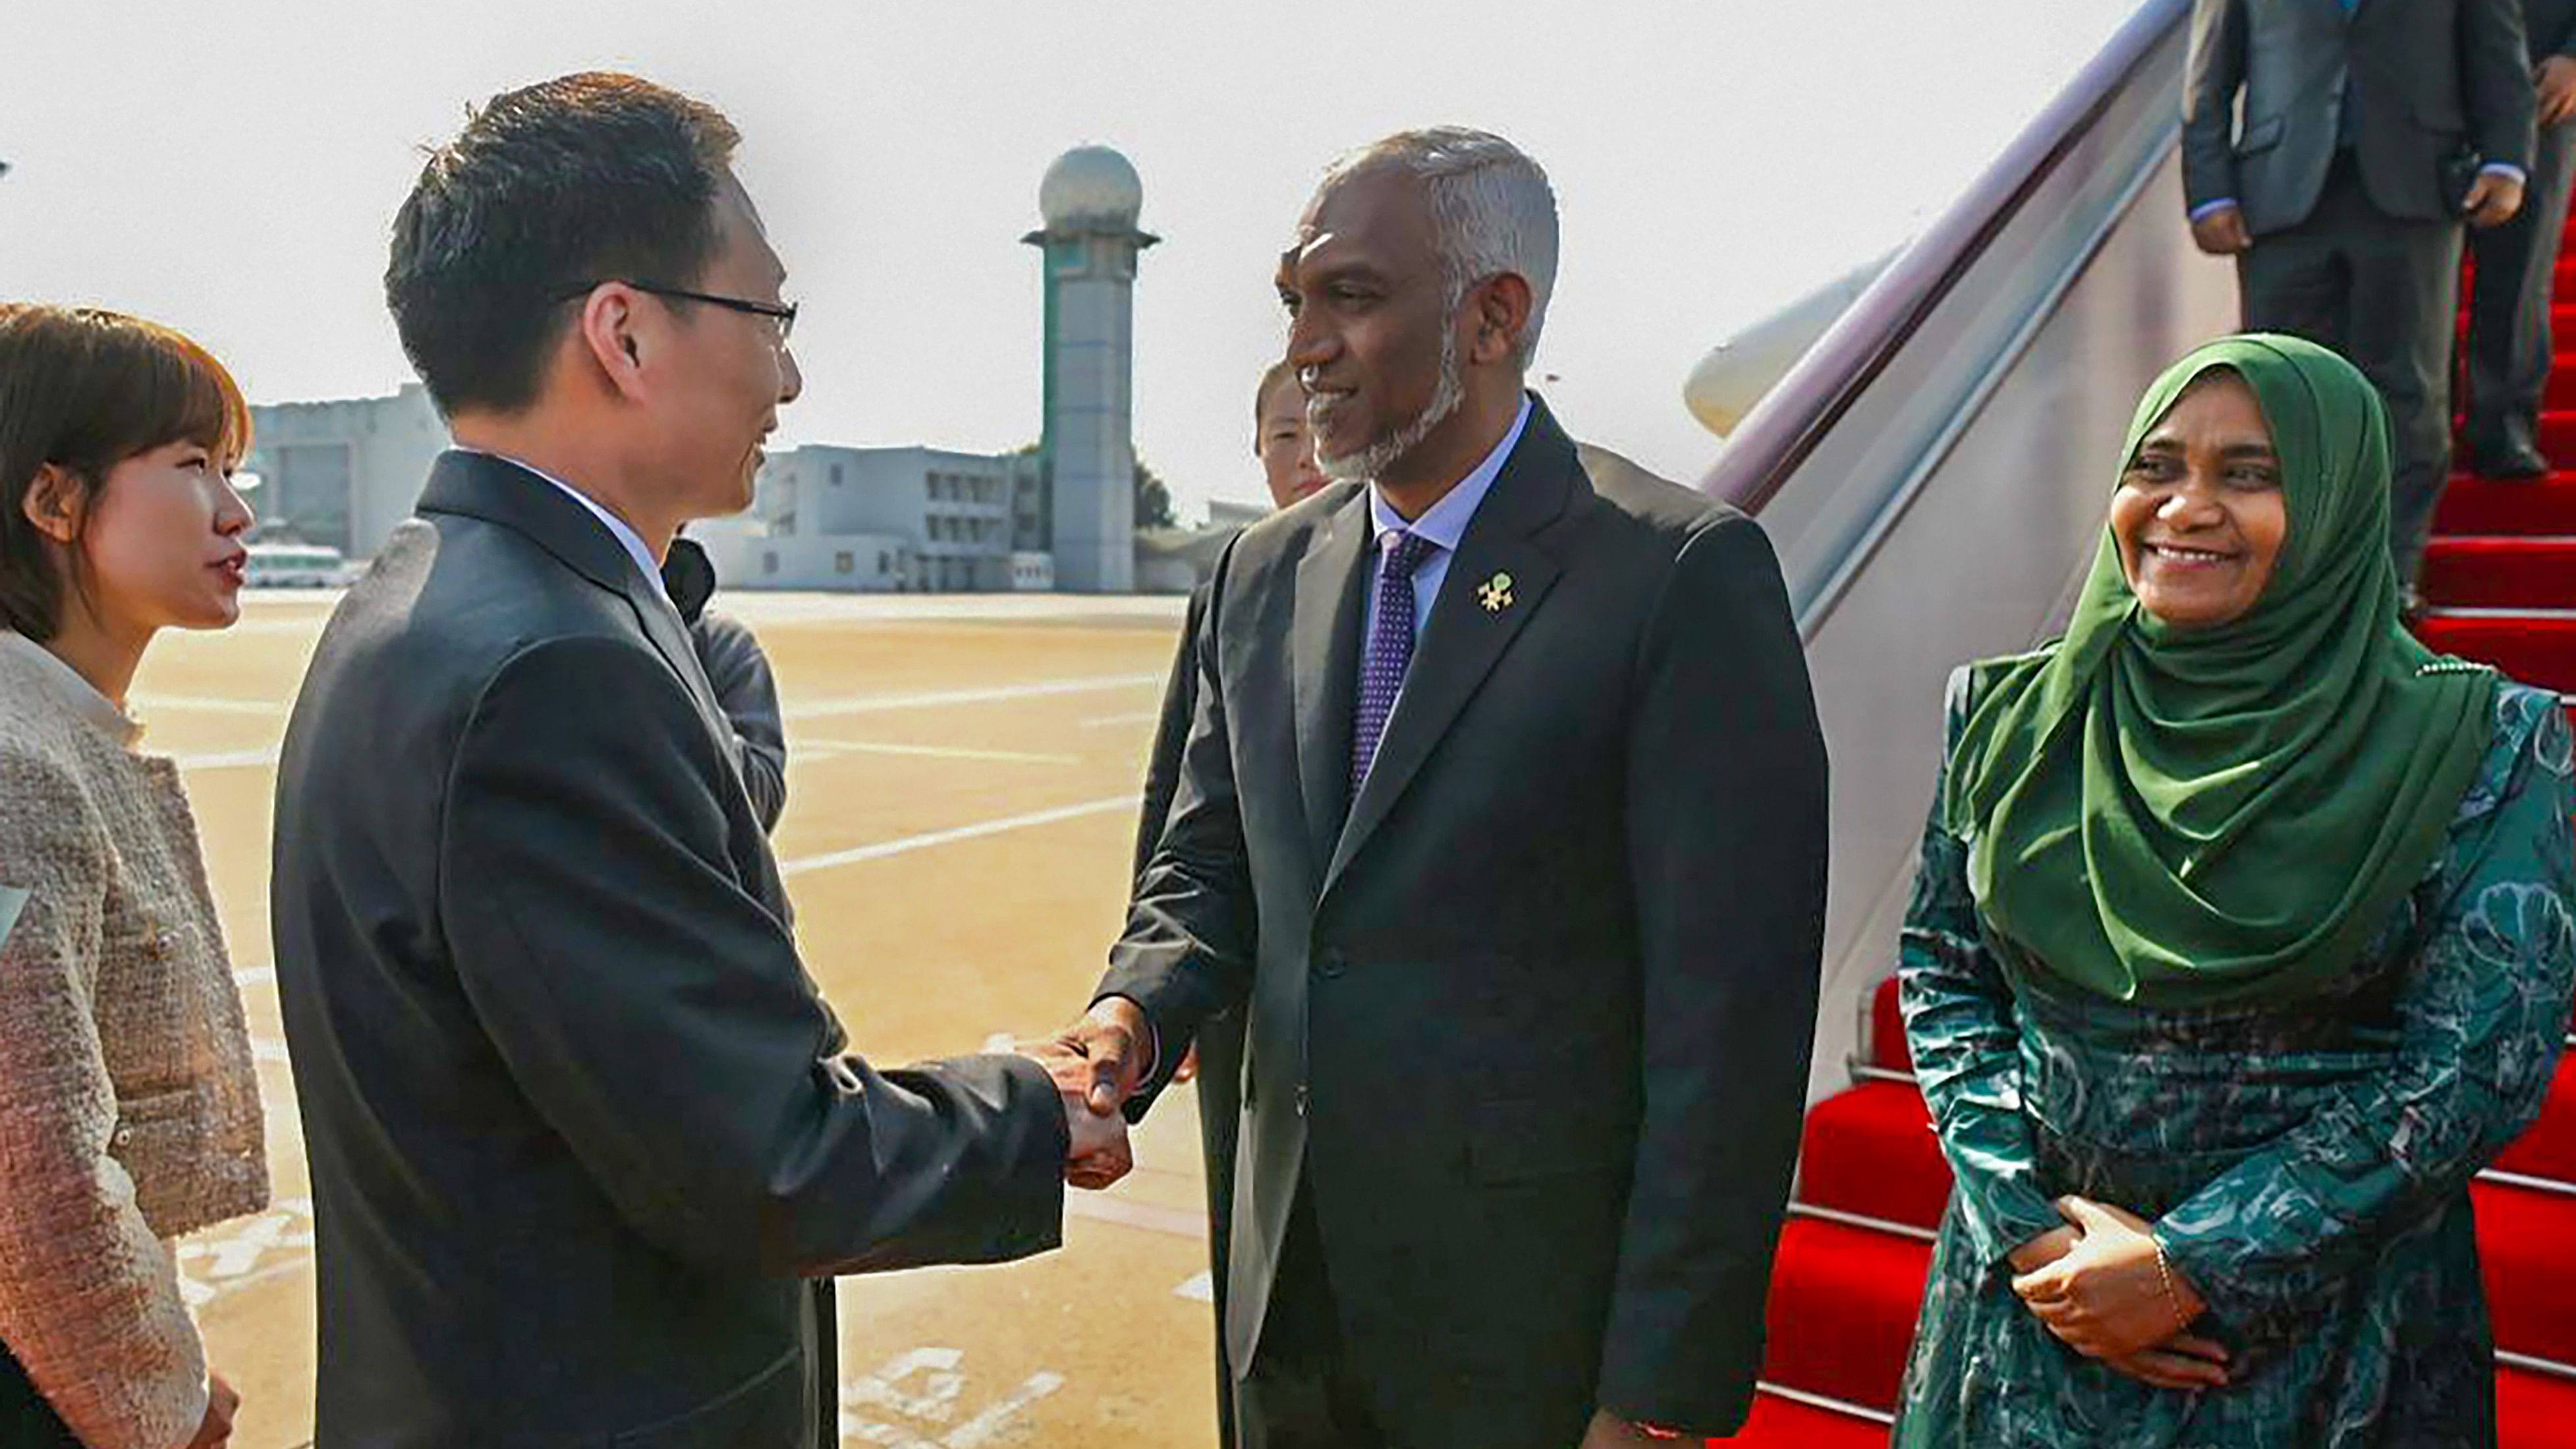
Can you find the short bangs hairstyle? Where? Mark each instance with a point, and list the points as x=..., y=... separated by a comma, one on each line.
x=582, y=179
x=84, y=390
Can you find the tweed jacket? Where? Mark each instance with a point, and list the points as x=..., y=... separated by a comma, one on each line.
x=129, y=1109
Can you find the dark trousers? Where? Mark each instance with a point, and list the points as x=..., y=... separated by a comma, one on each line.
x=2509, y=343
x=2383, y=292
x=1220, y=1044
x=26, y=1420
x=1303, y=1391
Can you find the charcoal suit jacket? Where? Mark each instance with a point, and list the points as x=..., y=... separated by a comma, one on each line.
x=2422, y=79
x=581, y=1128
x=1529, y=1018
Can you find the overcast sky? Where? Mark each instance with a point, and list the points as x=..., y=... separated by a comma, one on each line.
x=230, y=168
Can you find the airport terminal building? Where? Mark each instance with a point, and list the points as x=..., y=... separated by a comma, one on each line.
x=914, y=519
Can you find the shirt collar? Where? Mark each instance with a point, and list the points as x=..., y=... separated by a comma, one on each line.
x=75, y=693
x=1445, y=522
x=626, y=537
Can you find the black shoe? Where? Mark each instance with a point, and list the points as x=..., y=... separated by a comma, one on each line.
x=2505, y=453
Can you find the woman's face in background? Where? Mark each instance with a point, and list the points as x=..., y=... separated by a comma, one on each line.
x=161, y=545
x=1286, y=444
x=2199, y=515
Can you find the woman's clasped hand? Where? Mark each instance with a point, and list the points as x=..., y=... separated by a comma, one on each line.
x=2103, y=1287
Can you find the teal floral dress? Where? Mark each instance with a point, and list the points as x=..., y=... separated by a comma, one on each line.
x=2307, y=1167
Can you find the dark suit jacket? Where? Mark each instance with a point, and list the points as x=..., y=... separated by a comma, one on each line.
x=2424, y=77
x=577, y=1119
x=1171, y=733
x=747, y=694
x=737, y=669
x=1529, y=1017
x=2549, y=27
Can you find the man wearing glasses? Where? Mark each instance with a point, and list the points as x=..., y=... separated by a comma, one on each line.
x=586, y=1144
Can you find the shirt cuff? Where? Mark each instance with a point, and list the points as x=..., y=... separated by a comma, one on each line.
x=2506, y=168
x=2208, y=209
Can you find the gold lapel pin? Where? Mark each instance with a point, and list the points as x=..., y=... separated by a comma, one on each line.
x=1495, y=593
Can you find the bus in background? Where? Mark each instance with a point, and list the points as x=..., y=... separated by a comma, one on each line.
x=297, y=566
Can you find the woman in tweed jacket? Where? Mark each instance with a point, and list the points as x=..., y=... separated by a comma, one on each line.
x=129, y=1113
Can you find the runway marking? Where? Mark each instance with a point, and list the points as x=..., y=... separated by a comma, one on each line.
x=933, y=752
x=1175, y=1222
x=206, y=704
x=228, y=759
x=942, y=1387
x=994, y=694
x=227, y=1262
x=1104, y=721
x=910, y=843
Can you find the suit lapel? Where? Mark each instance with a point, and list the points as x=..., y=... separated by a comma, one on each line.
x=496, y=490
x=1465, y=636
x=662, y=625
x=1325, y=658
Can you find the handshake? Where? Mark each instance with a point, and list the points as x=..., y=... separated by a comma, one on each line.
x=1096, y=1064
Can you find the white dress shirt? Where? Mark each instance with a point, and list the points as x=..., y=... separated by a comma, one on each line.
x=626, y=537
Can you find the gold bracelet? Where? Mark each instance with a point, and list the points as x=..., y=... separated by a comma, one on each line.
x=2164, y=1272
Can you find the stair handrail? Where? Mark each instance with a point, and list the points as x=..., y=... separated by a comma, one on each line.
x=1786, y=425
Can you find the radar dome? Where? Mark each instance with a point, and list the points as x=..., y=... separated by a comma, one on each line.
x=1090, y=186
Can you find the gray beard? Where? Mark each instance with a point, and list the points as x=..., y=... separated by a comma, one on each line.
x=1446, y=398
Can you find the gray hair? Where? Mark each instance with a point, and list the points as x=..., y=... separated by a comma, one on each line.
x=1492, y=211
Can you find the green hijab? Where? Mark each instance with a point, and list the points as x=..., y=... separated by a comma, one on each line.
x=2183, y=818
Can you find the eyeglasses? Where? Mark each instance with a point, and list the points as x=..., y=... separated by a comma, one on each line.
x=782, y=313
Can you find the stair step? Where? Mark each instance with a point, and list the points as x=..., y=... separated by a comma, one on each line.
x=2502, y=570
x=2484, y=506
x=2548, y=1150
x=2558, y=436
x=2538, y=649
x=1843, y=1303
x=1779, y=1422
x=1887, y=1044
x=2522, y=1242
x=2533, y=1410
x=1871, y=1151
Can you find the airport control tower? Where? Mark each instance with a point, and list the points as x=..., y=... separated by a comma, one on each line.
x=1089, y=200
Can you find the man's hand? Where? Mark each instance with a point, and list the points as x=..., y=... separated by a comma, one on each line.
x=1609, y=1431
x=216, y=1429
x=2493, y=200
x=2556, y=82
x=1097, y=1153
x=1188, y=1070
x=2222, y=233
x=2112, y=1297
x=1113, y=1038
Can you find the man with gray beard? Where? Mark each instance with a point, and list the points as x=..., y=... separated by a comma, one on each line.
x=1502, y=817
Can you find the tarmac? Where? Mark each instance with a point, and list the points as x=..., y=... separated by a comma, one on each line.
x=963, y=781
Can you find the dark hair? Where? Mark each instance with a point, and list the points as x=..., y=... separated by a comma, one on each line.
x=1276, y=373
x=578, y=179
x=84, y=390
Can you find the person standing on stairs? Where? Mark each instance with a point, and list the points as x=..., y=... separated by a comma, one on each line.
x=2244, y=936
x=2371, y=129
x=2509, y=350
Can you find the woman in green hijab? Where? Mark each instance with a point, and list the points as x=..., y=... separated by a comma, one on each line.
x=2244, y=936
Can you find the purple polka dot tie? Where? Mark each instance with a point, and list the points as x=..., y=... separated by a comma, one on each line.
x=1390, y=645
